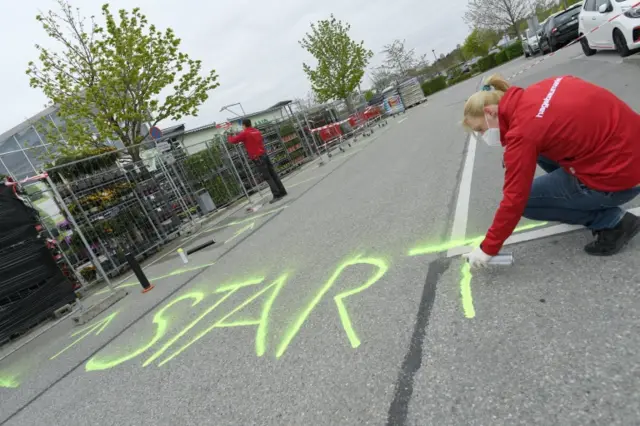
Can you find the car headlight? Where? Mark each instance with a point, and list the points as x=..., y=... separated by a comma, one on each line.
x=633, y=13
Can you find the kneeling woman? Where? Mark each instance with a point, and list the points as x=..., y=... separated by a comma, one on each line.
x=583, y=136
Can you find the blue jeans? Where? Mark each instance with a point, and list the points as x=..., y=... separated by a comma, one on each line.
x=561, y=197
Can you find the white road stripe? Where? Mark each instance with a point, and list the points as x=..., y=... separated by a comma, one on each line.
x=403, y=120
x=459, y=229
x=531, y=235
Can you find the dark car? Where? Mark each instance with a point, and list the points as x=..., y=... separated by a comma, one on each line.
x=560, y=29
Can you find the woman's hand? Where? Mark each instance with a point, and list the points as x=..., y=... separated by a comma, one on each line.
x=477, y=258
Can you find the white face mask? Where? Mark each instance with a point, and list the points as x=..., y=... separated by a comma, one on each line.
x=491, y=136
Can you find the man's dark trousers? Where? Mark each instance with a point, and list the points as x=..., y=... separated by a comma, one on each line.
x=264, y=164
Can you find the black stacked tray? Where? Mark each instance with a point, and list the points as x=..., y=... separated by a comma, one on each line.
x=32, y=286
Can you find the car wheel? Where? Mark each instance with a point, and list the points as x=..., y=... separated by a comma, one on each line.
x=586, y=49
x=621, y=43
x=526, y=54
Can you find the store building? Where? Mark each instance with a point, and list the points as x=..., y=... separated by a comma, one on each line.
x=23, y=150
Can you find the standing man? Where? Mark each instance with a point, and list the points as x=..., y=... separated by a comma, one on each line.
x=254, y=143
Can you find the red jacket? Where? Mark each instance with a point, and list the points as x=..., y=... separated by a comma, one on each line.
x=253, y=142
x=586, y=129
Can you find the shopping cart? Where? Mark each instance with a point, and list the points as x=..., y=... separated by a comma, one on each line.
x=358, y=125
x=331, y=136
x=375, y=115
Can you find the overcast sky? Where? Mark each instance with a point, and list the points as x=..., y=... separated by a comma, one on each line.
x=252, y=44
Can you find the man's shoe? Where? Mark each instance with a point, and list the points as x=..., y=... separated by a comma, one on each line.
x=610, y=241
x=275, y=199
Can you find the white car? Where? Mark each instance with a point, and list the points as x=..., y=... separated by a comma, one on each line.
x=621, y=34
x=530, y=45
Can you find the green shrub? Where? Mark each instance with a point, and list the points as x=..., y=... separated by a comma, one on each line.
x=460, y=78
x=514, y=51
x=487, y=63
x=204, y=171
x=501, y=57
x=368, y=95
x=434, y=85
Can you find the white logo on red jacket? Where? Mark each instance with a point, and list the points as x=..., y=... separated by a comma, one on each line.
x=547, y=99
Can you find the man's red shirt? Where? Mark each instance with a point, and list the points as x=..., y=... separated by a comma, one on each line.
x=252, y=140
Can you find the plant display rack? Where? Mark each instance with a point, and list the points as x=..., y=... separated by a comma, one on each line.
x=241, y=163
x=211, y=170
x=284, y=144
x=119, y=211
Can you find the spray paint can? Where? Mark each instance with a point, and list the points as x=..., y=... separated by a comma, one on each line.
x=183, y=256
x=502, y=259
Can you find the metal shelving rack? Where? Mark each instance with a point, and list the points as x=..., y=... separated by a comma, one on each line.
x=149, y=191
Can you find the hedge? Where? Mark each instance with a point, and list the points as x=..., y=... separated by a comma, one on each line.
x=460, y=78
x=435, y=85
x=514, y=51
x=484, y=64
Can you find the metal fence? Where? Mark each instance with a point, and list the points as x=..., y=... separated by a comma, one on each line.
x=134, y=200
x=96, y=209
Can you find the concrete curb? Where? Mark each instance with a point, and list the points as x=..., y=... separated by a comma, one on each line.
x=101, y=306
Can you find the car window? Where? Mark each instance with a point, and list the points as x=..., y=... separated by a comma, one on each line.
x=566, y=16
x=600, y=3
x=590, y=6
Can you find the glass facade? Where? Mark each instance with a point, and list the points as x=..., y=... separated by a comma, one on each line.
x=26, y=151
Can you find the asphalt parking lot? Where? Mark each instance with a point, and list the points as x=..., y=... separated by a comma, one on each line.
x=339, y=305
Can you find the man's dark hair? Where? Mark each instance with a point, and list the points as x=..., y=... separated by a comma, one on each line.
x=246, y=122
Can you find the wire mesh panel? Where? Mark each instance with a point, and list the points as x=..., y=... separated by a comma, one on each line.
x=100, y=203
x=118, y=209
x=210, y=169
x=239, y=161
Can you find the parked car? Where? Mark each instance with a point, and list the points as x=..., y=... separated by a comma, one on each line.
x=530, y=45
x=560, y=29
x=621, y=34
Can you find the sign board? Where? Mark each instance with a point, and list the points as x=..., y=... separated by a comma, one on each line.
x=163, y=146
x=155, y=133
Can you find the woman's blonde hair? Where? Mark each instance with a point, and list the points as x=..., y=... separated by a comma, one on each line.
x=491, y=93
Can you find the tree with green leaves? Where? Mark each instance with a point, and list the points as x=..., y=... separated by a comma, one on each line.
x=479, y=42
x=341, y=60
x=107, y=79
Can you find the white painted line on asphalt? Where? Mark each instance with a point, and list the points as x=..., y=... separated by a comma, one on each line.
x=461, y=215
x=403, y=120
x=303, y=181
x=532, y=235
x=38, y=333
